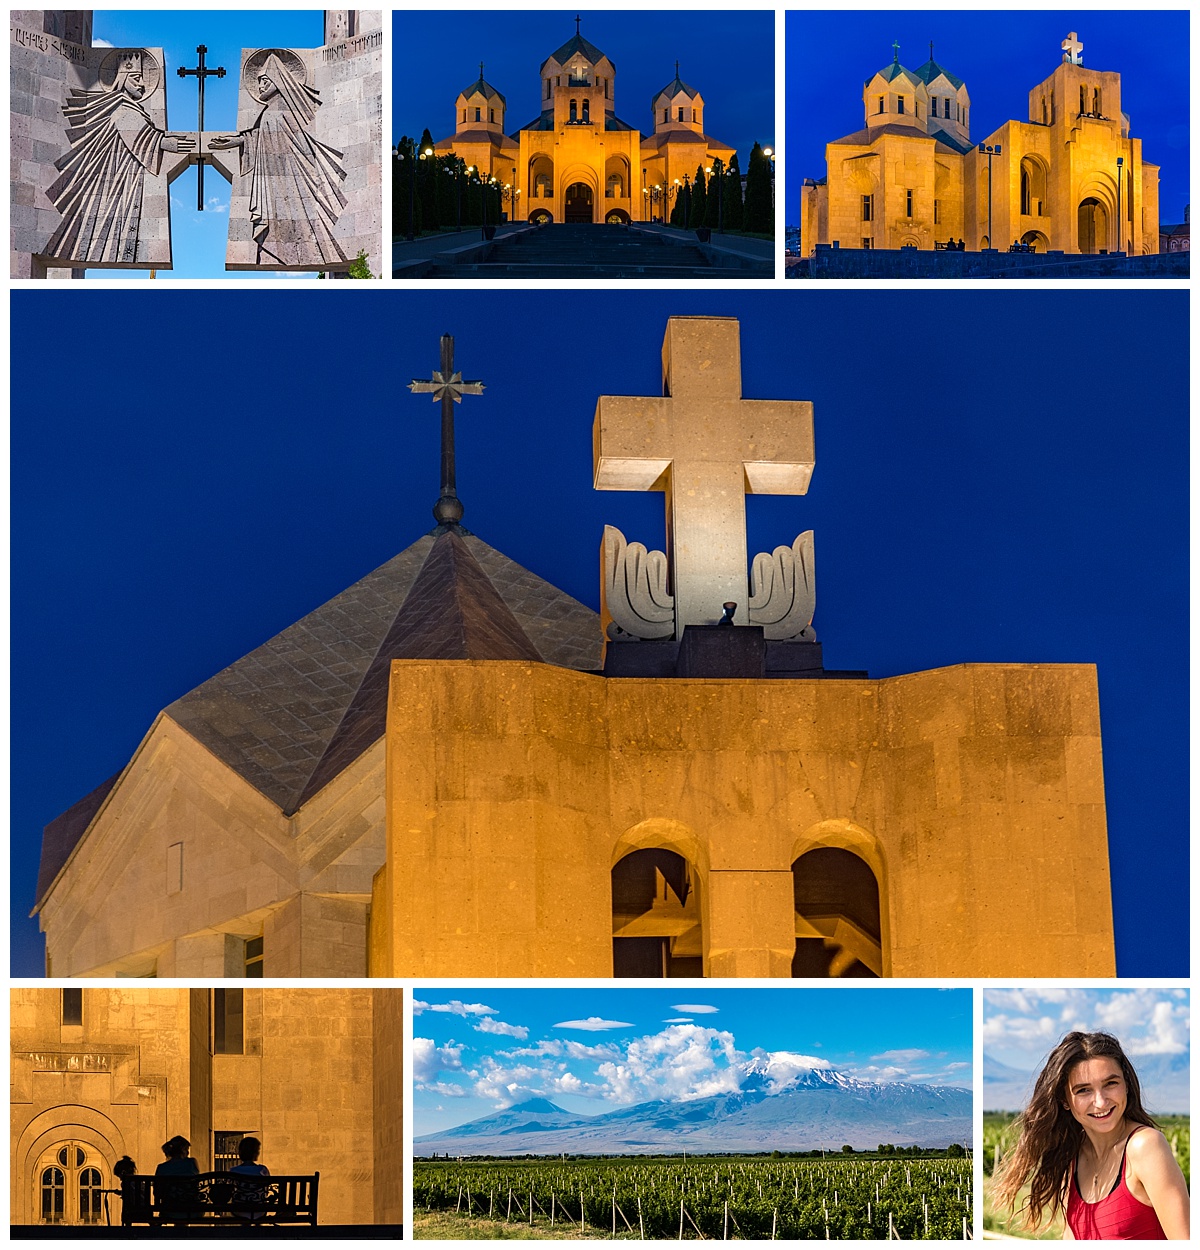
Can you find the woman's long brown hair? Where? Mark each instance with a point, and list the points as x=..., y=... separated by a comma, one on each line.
x=1050, y=1136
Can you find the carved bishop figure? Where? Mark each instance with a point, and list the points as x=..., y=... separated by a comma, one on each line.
x=706, y=448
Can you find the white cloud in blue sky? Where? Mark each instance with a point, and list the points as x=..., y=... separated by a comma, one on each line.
x=454, y=1008
x=488, y=1025
x=594, y=1024
x=694, y=1009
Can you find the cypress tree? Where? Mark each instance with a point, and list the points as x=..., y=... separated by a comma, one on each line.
x=699, y=197
x=426, y=187
x=733, y=195
x=759, y=212
x=713, y=208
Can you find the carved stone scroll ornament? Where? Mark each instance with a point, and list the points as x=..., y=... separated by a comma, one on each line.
x=114, y=145
x=783, y=592
x=634, y=590
x=293, y=179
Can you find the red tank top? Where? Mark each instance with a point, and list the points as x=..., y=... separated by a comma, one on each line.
x=1118, y=1216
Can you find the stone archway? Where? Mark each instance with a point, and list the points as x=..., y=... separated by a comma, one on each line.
x=656, y=916
x=541, y=217
x=1093, y=226
x=838, y=922
x=1037, y=240
x=579, y=204
x=616, y=217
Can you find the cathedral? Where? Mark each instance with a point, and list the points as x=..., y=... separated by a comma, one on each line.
x=1070, y=178
x=577, y=161
x=314, y=1074
x=453, y=768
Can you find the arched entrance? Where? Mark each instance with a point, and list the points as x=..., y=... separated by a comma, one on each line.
x=1093, y=226
x=579, y=202
x=1036, y=240
x=541, y=217
x=616, y=217
x=838, y=930
x=656, y=916
x=69, y=1185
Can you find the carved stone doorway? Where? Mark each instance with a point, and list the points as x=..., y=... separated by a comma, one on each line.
x=1093, y=226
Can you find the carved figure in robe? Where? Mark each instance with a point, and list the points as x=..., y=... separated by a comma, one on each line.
x=114, y=145
x=294, y=179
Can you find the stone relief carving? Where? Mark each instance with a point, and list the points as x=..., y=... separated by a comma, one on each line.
x=634, y=589
x=114, y=145
x=783, y=590
x=294, y=180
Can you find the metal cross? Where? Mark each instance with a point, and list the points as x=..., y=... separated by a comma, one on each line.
x=200, y=73
x=578, y=19
x=448, y=386
x=895, y=51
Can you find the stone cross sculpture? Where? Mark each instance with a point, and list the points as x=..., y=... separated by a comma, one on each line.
x=705, y=447
x=1072, y=49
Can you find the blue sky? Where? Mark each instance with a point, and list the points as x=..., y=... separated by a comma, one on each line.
x=198, y=238
x=1001, y=56
x=727, y=56
x=593, y=1050
x=995, y=481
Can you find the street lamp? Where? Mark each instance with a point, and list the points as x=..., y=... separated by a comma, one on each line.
x=1120, y=163
x=407, y=155
x=990, y=150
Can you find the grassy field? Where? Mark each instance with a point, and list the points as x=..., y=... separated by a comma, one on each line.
x=446, y=1226
x=998, y=1133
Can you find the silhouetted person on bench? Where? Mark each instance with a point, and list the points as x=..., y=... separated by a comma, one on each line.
x=247, y=1203
x=179, y=1198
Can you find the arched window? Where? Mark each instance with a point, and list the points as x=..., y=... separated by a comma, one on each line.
x=1082, y=99
x=479, y=115
x=681, y=114
x=1044, y=115
x=491, y=115
x=837, y=915
x=548, y=88
x=1024, y=190
x=90, y=1196
x=899, y=104
x=882, y=104
x=1097, y=104
x=656, y=916
x=574, y=110
x=53, y=1196
x=586, y=110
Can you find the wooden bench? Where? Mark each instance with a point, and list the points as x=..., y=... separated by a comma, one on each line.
x=219, y=1198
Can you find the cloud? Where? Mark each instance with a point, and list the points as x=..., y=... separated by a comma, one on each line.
x=454, y=1008
x=430, y=1060
x=903, y=1056
x=594, y=1024
x=214, y=205
x=102, y=43
x=679, y=1020
x=782, y=1067
x=679, y=1064
x=488, y=1025
x=694, y=1009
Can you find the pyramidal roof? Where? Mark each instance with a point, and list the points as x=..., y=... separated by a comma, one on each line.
x=295, y=712
x=577, y=43
x=484, y=88
x=895, y=70
x=676, y=86
x=931, y=71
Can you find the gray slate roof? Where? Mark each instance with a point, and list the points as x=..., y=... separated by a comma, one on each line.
x=485, y=89
x=672, y=89
x=931, y=70
x=298, y=710
x=576, y=43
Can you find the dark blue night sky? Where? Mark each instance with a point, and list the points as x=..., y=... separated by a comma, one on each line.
x=1001, y=476
x=1001, y=56
x=728, y=57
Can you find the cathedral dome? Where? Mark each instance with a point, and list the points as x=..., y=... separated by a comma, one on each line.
x=576, y=49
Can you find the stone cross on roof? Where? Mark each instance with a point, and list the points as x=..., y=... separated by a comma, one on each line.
x=706, y=448
x=448, y=386
x=1073, y=49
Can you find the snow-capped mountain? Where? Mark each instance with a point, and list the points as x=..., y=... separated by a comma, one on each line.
x=821, y=1108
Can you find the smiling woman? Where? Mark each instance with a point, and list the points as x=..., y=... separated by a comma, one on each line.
x=1090, y=1151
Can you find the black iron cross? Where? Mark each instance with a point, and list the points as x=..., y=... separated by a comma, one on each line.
x=449, y=387
x=200, y=73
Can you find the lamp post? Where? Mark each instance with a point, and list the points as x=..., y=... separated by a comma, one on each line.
x=406, y=155
x=1120, y=164
x=425, y=155
x=457, y=194
x=990, y=150
x=687, y=200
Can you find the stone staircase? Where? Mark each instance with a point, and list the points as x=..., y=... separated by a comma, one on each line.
x=589, y=251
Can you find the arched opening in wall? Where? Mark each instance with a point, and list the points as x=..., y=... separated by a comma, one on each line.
x=69, y=1185
x=541, y=178
x=1093, y=226
x=616, y=217
x=656, y=916
x=1033, y=187
x=578, y=205
x=838, y=930
x=1036, y=240
x=541, y=217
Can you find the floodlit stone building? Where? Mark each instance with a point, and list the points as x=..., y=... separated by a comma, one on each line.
x=577, y=161
x=314, y=1074
x=1070, y=178
x=454, y=769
